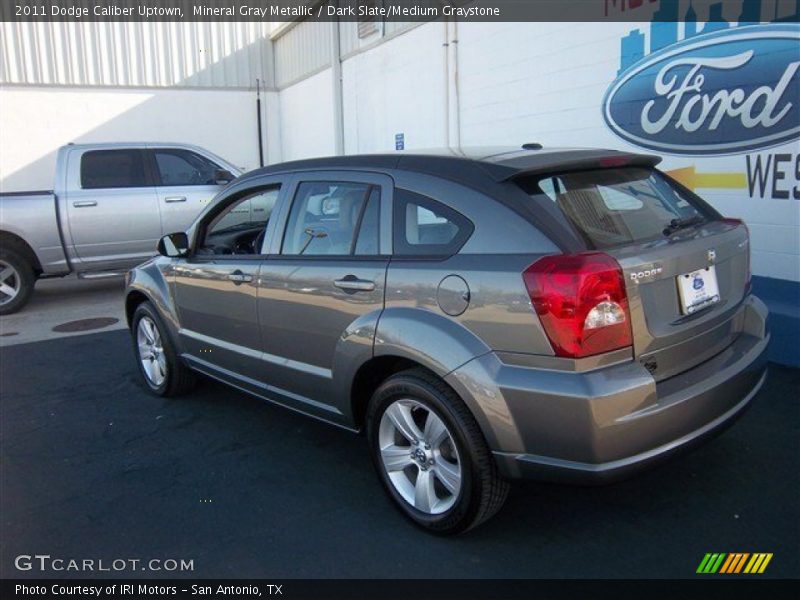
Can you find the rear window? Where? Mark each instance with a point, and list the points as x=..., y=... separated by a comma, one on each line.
x=615, y=207
x=112, y=169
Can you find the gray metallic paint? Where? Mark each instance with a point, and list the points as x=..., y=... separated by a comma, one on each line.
x=499, y=311
x=152, y=280
x=289, y=336
x=613, y=413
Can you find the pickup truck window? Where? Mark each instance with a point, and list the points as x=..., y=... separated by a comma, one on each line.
x=112, y=169
x=182, y=167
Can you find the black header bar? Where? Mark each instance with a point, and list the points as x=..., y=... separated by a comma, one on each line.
x=370, y=10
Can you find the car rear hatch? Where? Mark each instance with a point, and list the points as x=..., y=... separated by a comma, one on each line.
x=661, y=278
x=685, y=268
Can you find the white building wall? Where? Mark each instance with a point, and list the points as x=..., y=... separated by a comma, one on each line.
x=35, y=121
x=531, y=82
x=306, y=118
x=539, y=82
x=396, y=87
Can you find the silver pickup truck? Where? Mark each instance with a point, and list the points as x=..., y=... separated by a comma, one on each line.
x=110, y=205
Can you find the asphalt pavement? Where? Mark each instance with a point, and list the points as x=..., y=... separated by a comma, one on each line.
x=64, y=307
x=93, y=467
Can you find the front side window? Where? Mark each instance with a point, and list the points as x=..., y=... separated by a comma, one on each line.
x=112, y=169
x=182, y=167
x=424, y=226
x=240, y=228
x=612, y=207
x=333, y=219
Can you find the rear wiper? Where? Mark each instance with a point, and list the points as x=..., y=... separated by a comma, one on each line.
x=683, y=223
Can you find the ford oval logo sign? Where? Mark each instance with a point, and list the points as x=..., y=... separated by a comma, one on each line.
x=720, y=93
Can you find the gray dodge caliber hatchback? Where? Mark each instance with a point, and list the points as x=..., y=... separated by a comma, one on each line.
x=572, y=315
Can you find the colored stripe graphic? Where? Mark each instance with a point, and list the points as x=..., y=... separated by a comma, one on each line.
x=765, y=563
x=718, y=563
x=703, y=563
x=711, y=562
x=741, y=562
x=724, y=563
x=731, y=560
x=758, y=563
x=727, y=564
x=734, y=563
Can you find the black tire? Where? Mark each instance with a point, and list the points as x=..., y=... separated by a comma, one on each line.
x=179, y=378
x=22, y=280
x=483, y=491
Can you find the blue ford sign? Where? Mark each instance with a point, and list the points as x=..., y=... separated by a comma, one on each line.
x=719, y=93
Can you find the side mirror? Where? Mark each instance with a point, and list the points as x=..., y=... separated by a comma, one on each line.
x=221, y=176
x=174, y=245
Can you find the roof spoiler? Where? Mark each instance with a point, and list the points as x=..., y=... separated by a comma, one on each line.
x=569, y=161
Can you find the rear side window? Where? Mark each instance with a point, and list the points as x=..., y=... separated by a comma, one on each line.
x=112, y=169
x=614, y=207
x=425, y=227
x=333, y=219
x=182, y=167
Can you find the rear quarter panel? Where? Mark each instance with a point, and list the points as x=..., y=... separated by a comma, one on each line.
x=491, y=263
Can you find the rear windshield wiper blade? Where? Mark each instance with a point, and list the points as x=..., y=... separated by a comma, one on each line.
x=677, y=224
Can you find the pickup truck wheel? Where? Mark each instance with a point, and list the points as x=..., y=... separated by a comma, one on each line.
x=16, y=281
x=162, y=370
x=431, y=455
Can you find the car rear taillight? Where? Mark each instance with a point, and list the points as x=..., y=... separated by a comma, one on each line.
x=740, y=223
x=581, y=302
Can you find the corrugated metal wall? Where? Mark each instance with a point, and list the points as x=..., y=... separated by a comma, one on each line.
x=302, y=50
x=196, y=54
x=205, y=55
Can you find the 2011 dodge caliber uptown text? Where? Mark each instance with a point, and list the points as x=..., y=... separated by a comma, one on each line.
x=571, y=315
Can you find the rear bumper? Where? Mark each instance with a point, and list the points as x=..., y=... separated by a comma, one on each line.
x=530, y=466
x=609, y=423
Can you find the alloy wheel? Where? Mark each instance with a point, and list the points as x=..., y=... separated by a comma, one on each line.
x=420, y=456
x=10, y=283
x=151, y=351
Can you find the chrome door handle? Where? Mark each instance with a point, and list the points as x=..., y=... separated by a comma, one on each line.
x=238, y=277
x=175, y=199
x=352, y=284
x=84, y=203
